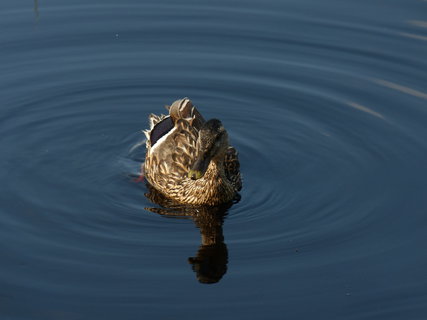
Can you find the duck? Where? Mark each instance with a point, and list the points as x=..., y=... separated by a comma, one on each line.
x=188, y=159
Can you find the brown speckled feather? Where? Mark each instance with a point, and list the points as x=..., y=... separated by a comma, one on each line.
x=169, y=160
x=232, y=168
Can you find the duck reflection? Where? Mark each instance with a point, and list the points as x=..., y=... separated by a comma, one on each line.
x=210, y=262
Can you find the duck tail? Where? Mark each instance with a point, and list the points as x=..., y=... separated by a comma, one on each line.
x=184, y=109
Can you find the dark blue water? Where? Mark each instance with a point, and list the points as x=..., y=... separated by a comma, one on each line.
x=326, y=102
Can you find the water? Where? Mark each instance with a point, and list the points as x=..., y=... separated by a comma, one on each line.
x=326, y=103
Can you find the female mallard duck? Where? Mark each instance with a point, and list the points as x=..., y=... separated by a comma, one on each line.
x=189, y=159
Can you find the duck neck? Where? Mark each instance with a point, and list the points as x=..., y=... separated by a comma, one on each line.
x=213, y=188
x=215, y=170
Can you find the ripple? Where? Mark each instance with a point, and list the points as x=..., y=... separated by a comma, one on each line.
x=326, y=110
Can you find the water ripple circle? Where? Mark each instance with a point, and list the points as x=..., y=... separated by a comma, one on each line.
x=292, y=108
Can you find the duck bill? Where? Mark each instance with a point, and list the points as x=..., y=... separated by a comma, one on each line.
x=199, y=168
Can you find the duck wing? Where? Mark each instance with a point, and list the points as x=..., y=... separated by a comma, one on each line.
x=232, y=168
x=171, y=143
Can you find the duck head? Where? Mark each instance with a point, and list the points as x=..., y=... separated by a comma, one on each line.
x=212, y=145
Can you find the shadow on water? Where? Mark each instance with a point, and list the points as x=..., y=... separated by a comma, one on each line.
x=210, y=261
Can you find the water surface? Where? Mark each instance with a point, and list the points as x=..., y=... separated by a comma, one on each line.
x=326, y=103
